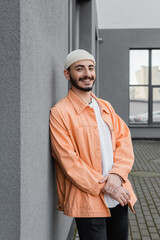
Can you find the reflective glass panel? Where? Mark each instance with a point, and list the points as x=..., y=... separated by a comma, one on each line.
x=138, y=105
x=139, y=67
x=155, y=67
x=156, y=105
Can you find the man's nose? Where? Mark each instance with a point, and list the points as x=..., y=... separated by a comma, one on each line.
x=87, y=73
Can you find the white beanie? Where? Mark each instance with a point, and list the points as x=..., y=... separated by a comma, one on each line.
x=77, y=55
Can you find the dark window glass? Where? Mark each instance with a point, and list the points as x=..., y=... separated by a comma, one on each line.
x=139, y=105
x=156, y=105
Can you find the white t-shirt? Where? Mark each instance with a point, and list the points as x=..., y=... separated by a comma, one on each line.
x=106, y=149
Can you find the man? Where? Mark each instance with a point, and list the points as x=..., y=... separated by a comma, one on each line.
x=93, y=152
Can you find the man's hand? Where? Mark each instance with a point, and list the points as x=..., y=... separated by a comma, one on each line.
x=112, y=182
x=114, y=189
x=121, y=195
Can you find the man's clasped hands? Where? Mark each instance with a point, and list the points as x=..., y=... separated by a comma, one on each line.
x=114, y=188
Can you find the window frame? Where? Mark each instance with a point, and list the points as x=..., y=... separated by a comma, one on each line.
x=150, y=86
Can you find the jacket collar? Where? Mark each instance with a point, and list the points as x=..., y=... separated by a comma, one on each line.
x=101, y=104
x=79, y=105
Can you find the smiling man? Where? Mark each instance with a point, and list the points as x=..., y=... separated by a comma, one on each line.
x=93, y=156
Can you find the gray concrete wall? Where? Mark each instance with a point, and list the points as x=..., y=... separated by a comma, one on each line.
x=33, y=45
x=44, y=45
x=114, y=70
x=85, y=25
x=9, y=120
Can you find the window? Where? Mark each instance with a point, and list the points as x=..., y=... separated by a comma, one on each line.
x=144, y=87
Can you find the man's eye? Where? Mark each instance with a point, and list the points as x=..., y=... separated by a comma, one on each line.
x=79, y=69
x=91, y=69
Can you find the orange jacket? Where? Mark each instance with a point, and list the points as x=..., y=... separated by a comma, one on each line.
x=75, y=146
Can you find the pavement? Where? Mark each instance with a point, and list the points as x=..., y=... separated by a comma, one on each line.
x=145, y=179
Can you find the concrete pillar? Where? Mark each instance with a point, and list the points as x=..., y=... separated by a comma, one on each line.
x=10, y=134
x=33, y=44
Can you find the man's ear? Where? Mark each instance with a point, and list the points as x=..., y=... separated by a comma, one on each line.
x=67, y=74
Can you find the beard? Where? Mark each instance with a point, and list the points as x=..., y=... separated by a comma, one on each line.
x=74, y=82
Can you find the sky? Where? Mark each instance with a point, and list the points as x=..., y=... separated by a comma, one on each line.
x=128, y=13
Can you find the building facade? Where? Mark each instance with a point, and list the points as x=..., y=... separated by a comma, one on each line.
x=138, y=103
x=35, y=37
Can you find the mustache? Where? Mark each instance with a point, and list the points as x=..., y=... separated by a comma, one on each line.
x=91, y=78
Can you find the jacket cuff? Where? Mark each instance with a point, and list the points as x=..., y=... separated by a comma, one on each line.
x=97, y=188
x=119, y=172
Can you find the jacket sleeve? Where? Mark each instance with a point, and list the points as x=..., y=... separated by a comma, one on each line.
x=123, y=155
x=74, y=168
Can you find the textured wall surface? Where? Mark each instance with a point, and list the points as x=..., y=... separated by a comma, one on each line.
x=33, y=46
x=44, y=44
x=9, y=120
x=114, y=69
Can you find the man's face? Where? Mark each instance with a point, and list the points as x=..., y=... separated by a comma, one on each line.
x=82, y=75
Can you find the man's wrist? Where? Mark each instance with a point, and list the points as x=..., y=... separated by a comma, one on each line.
x=121, y=179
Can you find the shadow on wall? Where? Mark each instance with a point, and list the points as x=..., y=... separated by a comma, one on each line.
x=59, y=223
x=52, y=199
